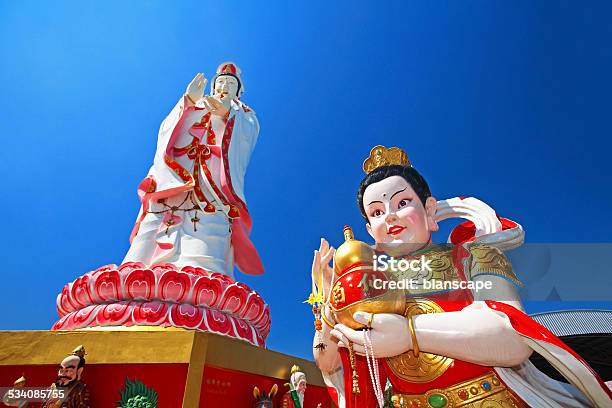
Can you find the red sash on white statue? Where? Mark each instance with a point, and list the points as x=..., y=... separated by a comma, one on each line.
x=245, y=255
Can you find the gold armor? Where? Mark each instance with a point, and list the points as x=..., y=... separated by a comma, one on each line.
x=486, y=391
x=488, y=260
x=355, y=256
x=484, y=260
x=426, y=366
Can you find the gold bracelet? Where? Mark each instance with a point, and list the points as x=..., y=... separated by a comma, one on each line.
x=415, y=343
x=324, y=317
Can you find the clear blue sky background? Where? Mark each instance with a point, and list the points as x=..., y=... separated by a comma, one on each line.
x=506, y=101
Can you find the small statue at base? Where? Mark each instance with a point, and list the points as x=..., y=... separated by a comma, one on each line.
x=15, y=402
x=76, y=393
x=263, y=400
x=294, y=398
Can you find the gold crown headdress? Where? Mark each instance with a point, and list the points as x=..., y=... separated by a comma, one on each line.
x=381, y=156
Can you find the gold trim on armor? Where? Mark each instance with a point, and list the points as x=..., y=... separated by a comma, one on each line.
x=413, y=337
x=427, y=366
x=442, y=269
x=486, y=391
x=488, y=260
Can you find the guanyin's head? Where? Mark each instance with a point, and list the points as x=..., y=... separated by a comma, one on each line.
x=227, y=84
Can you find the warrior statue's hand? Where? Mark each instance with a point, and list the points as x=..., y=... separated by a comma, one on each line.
x=390, y=334
x=322, y=272
x=195, y=89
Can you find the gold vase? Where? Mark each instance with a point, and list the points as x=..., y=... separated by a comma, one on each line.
x=359, y=287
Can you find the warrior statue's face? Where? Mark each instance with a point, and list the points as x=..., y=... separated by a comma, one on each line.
x=396, y=215
x=69, y=370
x=226, y=88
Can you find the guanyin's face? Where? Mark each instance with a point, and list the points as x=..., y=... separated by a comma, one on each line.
x=396, y=215
x=226, y=87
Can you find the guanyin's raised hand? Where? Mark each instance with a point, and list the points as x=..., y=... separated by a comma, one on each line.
x=195, y=89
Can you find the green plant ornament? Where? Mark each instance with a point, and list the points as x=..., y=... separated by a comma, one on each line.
x=137, y=395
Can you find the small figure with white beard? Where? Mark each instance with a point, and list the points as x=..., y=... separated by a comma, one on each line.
x=294, y=398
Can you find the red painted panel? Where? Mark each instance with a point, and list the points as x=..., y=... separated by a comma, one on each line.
x=106, y=380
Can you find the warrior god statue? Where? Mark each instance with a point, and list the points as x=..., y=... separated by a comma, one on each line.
x=455, y=347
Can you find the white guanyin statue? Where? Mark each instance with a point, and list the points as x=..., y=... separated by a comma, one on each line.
x=193, y=209
x=192, y=228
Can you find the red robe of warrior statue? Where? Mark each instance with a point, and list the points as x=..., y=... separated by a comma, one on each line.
x=193, y=206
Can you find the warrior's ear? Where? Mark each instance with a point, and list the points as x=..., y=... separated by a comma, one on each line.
x=256, y=392
x=431, y=206
x=273, y=390
x=79, y=373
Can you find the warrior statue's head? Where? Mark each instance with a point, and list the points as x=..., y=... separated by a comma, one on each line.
x=226, y=83
x=71, y=367
x=396, y=201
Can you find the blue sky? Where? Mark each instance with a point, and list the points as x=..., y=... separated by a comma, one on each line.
x=508, y=102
